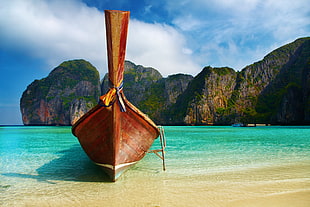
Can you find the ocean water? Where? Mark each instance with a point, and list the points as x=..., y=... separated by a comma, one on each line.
x=206, y=166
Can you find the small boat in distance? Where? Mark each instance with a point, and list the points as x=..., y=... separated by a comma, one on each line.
x=243, y=125
x=238, y=125
x=115, y=134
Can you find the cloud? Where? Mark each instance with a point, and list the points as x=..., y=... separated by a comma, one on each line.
x=238, y=32
x=53, y=30
x=159, y=46
x=216, y=32
x=60, y=30
x=188, y=22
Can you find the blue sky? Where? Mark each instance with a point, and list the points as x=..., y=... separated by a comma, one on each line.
x=173, y=36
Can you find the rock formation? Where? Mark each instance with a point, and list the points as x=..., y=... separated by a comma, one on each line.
x=137, y=79
x=206, y=97
x=68, y=92
x=274, y=90
x=149, y=91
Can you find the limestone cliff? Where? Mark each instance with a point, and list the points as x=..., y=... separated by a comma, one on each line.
x=61, y=98
x=161, y=95
x=149, y=91
x=137, y=80
x=285, y=99
x=205, y=99
x=273, y=90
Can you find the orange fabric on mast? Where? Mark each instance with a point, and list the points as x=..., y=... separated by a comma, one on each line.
x=116, y=31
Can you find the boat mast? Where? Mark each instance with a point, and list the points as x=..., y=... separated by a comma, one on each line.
x=116, y=33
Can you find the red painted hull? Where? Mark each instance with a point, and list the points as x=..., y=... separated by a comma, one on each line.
x=115, y=134
x=113, y=139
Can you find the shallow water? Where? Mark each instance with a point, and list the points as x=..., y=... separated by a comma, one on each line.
x=206, y=166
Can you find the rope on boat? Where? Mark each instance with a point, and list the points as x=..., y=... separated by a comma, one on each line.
x=110, y=97
x=163, y=146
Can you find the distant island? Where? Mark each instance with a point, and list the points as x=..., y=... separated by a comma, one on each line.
x=275, y=90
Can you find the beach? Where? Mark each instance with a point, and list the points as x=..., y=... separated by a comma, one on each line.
x=206, y=166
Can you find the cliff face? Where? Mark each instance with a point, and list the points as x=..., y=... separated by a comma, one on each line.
x=162, y=95
x=205, y=99
x=274, y=90
x=149, y=91
x=306, y=93
x=285, y=99
x=208, y=106
x=137, y=80
x=68, y=92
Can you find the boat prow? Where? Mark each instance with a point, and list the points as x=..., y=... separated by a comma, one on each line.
x=113, y=139
x=114, y=172
x=115, y=134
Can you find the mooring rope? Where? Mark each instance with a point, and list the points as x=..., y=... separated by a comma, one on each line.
x=110, y=97
x=163, y=146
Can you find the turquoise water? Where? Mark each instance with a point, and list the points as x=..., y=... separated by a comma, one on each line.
x=45, y=166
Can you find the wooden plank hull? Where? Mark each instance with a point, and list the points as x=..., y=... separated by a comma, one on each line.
x=115, y=134
x=113, y=139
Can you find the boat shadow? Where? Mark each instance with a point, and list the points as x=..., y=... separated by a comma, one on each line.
x=72, y=165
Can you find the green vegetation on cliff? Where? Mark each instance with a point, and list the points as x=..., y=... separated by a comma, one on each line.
x=193, y=93
x=273, y=90
x=75, y=71
x=294, y=76
x=66, y=93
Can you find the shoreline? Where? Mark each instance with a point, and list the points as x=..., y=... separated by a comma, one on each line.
x=206, y=166
x=280, y=185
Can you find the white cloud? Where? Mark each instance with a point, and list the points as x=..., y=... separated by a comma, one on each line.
x=187, y=23
x=56, y=31
x=161, y=47
x=217, y=32
x=236, y=33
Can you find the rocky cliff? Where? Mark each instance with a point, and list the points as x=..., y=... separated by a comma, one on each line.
x=274, y=90
x=205, y=99
x=68, y=92
x=149, y=91
x=137, y=80
x=285, y=99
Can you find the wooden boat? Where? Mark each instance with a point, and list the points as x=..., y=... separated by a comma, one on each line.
x=115, y=134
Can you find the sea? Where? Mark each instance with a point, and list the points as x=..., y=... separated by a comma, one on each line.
x=205, y=166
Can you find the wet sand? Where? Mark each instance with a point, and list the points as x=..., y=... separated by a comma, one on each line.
x=285, y=185
x=206, y=166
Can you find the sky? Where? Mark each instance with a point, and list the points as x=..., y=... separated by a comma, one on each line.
x=172, y=36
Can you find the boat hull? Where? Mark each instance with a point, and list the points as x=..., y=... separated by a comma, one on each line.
x=114, y=172
x=113, y=139
x=115, y=134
